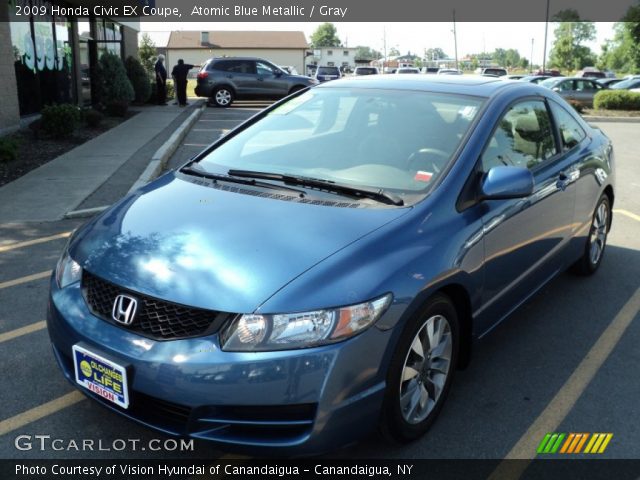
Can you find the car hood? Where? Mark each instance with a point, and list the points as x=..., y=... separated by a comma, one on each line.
x=217, y=249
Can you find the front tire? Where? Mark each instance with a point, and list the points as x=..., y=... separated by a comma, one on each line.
x=597, y=239
x=421, y=371
x=222, y=97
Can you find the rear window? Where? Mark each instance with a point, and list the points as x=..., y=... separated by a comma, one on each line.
x=495, y=71
x=328, y=71
x=366, y=71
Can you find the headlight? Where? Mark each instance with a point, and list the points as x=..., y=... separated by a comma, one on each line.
x=259, y=333
x=68, y=271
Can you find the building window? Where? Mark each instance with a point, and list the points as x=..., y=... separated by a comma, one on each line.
x=346, y=53
x=329, y=53
x=42, y=60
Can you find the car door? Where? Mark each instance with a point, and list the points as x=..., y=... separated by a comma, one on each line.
x=241, y=74
x=524, y=238
x=270, y=84
x=585, y=90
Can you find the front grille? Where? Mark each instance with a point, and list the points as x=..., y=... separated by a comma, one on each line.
x=155, y=318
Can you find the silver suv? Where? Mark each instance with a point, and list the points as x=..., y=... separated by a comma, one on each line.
x=226, y=79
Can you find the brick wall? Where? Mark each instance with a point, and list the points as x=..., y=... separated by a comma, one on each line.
x=9, y=113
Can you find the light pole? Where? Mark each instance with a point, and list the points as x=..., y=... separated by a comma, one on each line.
x=455, y=38
x=531, y=58
x=544, y=52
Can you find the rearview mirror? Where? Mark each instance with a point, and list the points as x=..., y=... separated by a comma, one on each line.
x=506, y=182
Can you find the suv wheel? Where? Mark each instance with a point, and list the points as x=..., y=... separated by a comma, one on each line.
x=222, y=97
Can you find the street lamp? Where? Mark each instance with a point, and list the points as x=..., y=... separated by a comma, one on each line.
x=531, y=58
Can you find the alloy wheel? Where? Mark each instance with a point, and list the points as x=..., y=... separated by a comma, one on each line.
x=223, y=97
x=426, y=368
x=598, y=235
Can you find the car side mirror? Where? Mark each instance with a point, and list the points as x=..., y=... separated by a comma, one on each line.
x=278, y=73
x=505, y=182
x=556, y=89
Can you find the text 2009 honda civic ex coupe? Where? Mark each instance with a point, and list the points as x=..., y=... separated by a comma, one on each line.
x=324, y=268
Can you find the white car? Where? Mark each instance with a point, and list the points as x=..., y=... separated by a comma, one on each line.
x=449, y=71
x=407, y=70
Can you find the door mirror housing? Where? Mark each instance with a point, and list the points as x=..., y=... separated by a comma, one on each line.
x=506, y=182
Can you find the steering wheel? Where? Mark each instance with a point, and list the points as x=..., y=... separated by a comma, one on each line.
x=427, y=159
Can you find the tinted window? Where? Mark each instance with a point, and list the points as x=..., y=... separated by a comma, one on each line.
x=571, y=133
x=328, y=71
x=366, y=71
x=626, y=84
x=523, y=138
x=495, y=71
x=236, y=66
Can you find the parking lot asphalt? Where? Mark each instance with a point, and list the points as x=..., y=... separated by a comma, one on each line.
x=567, y=361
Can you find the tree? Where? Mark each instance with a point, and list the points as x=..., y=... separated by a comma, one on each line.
x=326, y=35
x=568, y=52
x=139, y=79
x=434, y=54
x=114, y=90
x=367, y=53
x=512, y=58
x=623, y=52
x=499, y=56
x=394, y=52
x=147, y=53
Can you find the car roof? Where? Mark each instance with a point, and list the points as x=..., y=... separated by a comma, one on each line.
x=475, y=85
x=239, y=58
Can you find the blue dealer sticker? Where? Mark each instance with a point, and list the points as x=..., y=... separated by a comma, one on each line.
x=101, y=376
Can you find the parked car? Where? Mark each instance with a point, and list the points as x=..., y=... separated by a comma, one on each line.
x=535, y=78
x=574, y=89
x=550, y=73
x=290, y=69
x=403, y=70
x=449, y=71
x=366, y=71
x=269, y=295
x=513, y=77
x=591, y=72
x=628, y=84
x=609, y=82
x=325, y=74
x=493, y=71
x=430, y=70
x=226, y=79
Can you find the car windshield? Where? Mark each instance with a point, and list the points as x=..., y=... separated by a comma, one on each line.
x=328, y=71
x=626, y=84
x=366, y=71
x=396, y=140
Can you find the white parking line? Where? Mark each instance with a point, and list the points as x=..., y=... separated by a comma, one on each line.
x=35, y=241
x=627, y=214
x=28, y=278
x=18, y=332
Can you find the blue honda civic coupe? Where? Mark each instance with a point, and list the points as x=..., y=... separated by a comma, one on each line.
x=323, y=269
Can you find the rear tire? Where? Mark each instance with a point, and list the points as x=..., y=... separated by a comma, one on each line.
x=222, y=97
x=421, y=371
x=597, y=239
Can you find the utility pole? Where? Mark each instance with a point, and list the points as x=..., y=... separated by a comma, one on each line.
x=531, y=58
x=544, y=52
x=455, y=38
x=384, y=47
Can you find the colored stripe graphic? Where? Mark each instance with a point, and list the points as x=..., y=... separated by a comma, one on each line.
x=573, y=443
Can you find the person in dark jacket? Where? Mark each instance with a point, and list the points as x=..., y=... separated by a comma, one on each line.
x=161, y=81
x=179, y=74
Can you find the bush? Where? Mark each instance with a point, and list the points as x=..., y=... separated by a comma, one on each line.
x=616, y=100
x=93, y=118
x=113, y=87
x=8, y=149
x=60, y=121
x=171, y=91
x=139, y=79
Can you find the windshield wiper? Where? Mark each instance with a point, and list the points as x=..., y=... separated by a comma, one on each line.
x=378, y=195
x=195, y=170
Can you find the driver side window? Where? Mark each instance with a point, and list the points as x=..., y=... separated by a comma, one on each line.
x=523, y=138
x=264, y=69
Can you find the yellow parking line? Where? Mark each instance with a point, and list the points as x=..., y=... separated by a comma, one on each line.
x=18, y=332
x=28, y=278
x=627, y=214
x=39, y=412
x=35, y=241
x=562, y=403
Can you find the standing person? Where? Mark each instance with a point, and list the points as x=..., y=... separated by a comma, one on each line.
x=179, y=74
x=161, y=81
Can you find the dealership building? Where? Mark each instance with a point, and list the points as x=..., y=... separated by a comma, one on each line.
x=47, y=59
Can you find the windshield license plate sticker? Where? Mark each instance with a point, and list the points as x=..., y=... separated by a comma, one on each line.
x=101, y=376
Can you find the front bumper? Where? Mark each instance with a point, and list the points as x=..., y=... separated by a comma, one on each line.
x=289, y=402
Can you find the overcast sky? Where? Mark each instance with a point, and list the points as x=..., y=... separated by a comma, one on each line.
x=414, y=37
